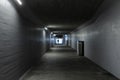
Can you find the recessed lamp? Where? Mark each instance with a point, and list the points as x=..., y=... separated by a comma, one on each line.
x=19, y=2
x=54, y=35
x=46, y=28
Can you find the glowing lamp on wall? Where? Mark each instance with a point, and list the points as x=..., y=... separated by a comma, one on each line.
x=19, y=2
x=46, y=28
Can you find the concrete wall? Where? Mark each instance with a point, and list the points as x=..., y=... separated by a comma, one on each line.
x=39, y=43
x=102, y=37
x=20, y=44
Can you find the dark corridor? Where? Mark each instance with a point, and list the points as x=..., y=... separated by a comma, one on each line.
x=38, y=39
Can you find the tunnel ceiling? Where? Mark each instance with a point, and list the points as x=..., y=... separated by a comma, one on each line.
x=69, y=13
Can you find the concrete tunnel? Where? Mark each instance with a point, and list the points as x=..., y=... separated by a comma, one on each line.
x=59, y=39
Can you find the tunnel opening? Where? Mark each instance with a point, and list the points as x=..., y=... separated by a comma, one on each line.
x=59, y=39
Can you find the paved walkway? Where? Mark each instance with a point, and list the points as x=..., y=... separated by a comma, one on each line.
x=64, y=64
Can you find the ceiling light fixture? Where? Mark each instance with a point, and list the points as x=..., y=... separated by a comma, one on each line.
x=46, y=28
x=19, y=2
x=54, y=35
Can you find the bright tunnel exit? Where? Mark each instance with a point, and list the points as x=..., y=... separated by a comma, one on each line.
x=59, y=41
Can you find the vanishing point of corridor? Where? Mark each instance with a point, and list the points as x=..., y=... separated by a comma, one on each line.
x=65, y=64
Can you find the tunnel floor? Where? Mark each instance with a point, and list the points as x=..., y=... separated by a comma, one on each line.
x=64, y=64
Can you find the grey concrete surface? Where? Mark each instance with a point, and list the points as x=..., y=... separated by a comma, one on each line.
x=64, y=64
x=14, y=60
x=18, y=42
x=102, y=37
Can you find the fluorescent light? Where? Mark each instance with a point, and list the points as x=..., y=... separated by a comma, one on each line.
x=38, y=28
x=19, y=2
x=54, y=35
x=51, y=32
x=46, y=28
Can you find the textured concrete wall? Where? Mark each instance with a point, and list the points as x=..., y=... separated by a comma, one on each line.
x=102, y=37
x=20, y=44
x=39, y=43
